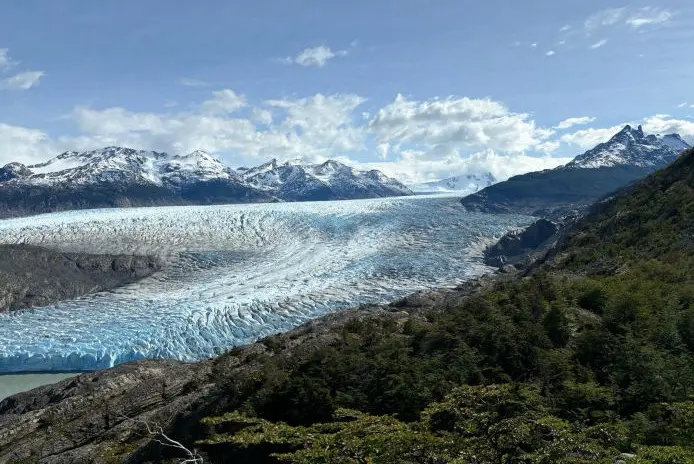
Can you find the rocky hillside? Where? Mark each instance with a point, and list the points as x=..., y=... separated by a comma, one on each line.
x=628, y=156
x=586, y=358
x=32, y=276
x=122, y=177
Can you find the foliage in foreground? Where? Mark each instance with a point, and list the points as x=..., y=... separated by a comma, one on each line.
x=590, y=357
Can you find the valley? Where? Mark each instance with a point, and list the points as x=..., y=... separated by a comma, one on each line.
x=233, y=274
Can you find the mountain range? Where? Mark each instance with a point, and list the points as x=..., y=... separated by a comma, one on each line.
x=330, y=180
x=628, y=156
x=120, y=177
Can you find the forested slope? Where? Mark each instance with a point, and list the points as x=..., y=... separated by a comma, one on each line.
x=588, y=357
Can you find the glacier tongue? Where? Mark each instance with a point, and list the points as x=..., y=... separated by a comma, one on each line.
x=236, y=273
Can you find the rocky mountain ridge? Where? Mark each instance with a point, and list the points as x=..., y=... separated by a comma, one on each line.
x=121, y=177
x=628, y=156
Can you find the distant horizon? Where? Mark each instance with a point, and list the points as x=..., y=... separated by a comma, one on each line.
x=342, y=161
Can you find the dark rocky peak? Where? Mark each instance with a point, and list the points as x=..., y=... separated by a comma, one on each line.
x=628, y=134
x=14, y=171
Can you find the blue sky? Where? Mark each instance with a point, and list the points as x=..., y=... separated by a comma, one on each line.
x=421, y=89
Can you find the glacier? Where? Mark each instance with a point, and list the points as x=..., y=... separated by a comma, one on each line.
x=236, y=273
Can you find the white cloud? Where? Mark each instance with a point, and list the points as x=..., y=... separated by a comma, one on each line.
x=442, y=128
x=323, y=124
x=192, y=82
x=5, y=61
x=648, y=15
x=682, y=105
x=21, y=81
x=533, y=45
x=598, y=44
x=626, y=16
x=550, y=53
x=590, y=137
x=383, y=149
x=315, y=56
x=418, y=140
x=608, y=17
x=571, y=122
x=22, y=144
x=664, y=124
x=224, y=101
x=415, y=167
x=261, y=116
x=565, y=28
x=313, y=128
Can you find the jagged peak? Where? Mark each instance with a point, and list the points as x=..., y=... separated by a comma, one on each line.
x=631, y=147
x=629, y=130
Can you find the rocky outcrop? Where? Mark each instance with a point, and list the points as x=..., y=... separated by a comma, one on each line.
x=32, y=276
x=96, y=417
x=517, y=244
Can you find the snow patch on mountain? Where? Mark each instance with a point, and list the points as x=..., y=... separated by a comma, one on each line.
x=631, y=147
x=116, y=163
x=331, y=179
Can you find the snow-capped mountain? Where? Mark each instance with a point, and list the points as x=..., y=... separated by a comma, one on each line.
x=628, y=156
x=117, y=164
x=631, y=147
x=330, y=180
x=117, y=176
x=464, y=184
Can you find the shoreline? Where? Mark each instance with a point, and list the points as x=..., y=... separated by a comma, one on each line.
x=12, y=384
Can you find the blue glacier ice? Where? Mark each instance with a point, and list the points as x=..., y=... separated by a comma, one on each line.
x=236, y=273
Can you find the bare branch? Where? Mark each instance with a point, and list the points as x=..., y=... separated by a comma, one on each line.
x=160, y=437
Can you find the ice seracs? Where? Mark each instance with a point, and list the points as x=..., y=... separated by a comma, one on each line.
x=235, y=273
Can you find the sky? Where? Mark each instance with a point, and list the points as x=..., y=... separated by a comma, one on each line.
x=422, y=89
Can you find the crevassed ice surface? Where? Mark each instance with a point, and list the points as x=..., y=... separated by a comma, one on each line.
x=236, y=273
